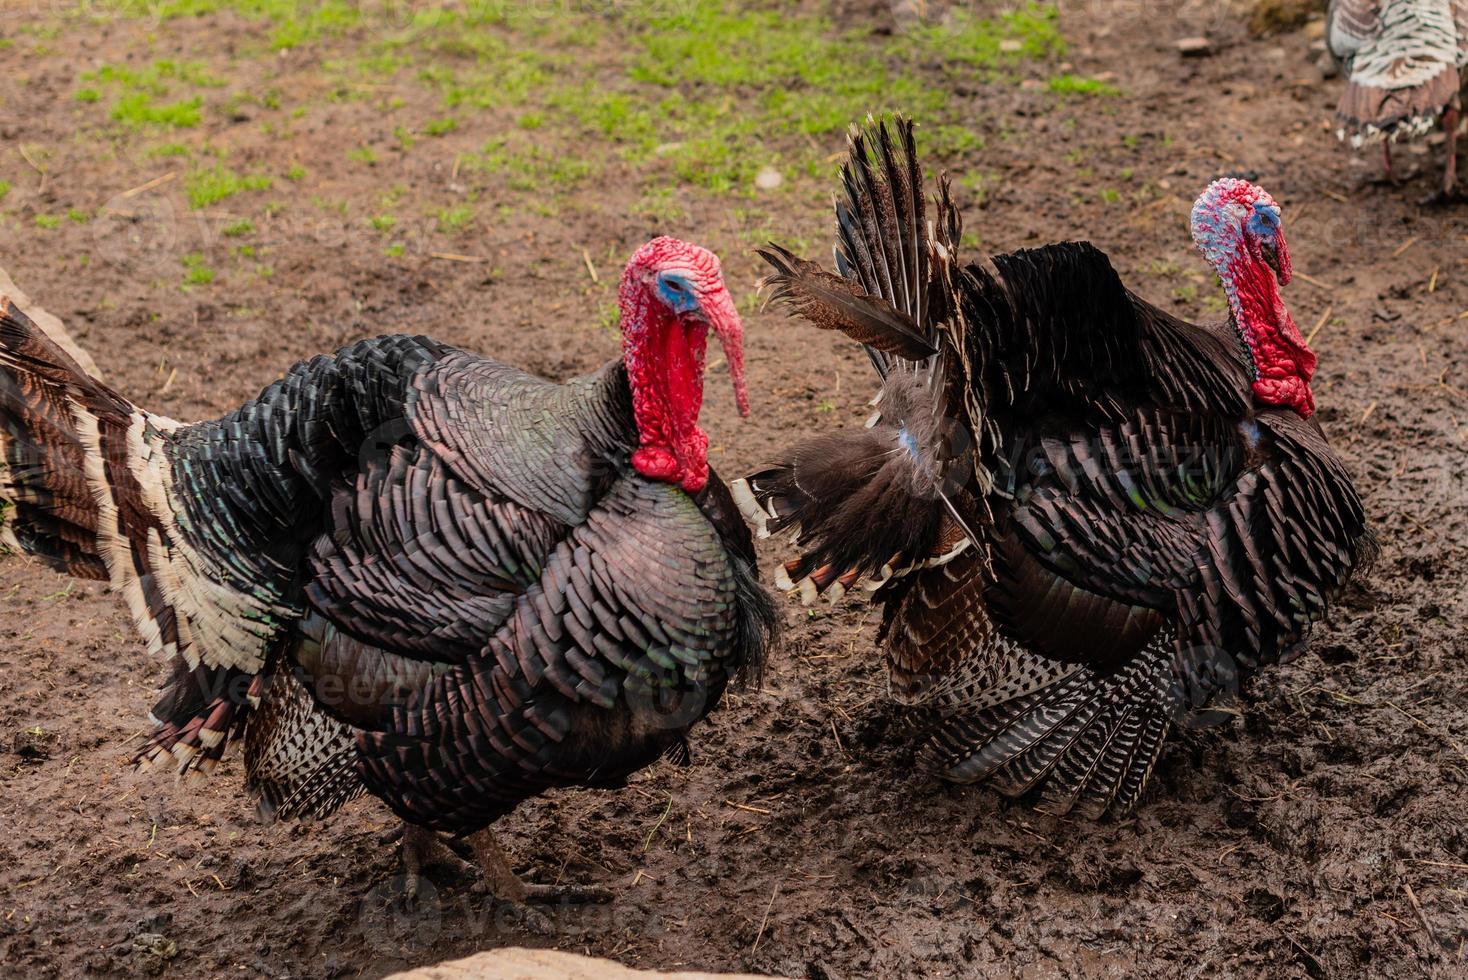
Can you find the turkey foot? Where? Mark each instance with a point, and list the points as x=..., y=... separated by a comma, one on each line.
x=1388, y=176
x=421, y=848
x=501, y=881
x=1441, y=198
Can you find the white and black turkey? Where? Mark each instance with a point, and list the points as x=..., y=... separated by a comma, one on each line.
x=411, y=569
x=1156, y=511
x=1404, y=63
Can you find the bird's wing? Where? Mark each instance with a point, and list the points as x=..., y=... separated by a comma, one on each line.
x=1239, y=538
x=1056, y=322
x=507, y=433
x=414, y=561
x=1350, y=25
x=634, y=611
x=891, y=295
x=448, y=515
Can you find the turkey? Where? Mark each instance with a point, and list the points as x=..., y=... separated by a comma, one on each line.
x=413, y=570
x=1084, y=518
x=1404, y=63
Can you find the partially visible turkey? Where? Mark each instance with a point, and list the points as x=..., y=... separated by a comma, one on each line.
x=1406, y=64
x=1156, y=511
x=410, y=569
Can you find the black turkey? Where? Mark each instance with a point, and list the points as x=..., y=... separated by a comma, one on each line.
x=1082, y=515
x=410, y=569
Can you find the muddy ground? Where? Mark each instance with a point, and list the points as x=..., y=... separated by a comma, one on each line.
x=1323, y=834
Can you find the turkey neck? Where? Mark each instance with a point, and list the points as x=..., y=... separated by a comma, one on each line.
x=664, y=355
x=1282, y=365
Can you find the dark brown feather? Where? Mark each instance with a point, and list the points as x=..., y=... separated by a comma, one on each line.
x=833, y=303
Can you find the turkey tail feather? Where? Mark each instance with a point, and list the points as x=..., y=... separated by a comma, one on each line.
x=1368, y=115
x=890, y=295
x=833, y=303
x=1087, y=742
x=86, y=485
x=48, y=507
x=859, y=502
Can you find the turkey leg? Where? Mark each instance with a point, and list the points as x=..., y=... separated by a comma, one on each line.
x=421, y=848
x=1450, y=169
x=1388, y=176
x=1444, y=195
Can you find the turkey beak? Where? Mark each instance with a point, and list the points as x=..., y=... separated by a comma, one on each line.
x=723, y=319
x=1277, y=256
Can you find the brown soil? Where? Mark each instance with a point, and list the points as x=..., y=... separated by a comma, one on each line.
x=1321, y=835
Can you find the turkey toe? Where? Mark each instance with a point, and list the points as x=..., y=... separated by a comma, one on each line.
x=423, y=848
x=501, y=881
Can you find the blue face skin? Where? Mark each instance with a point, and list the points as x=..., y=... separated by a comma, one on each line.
x=676, y=292
x=1264, y=222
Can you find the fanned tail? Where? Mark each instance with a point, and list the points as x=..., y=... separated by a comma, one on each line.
x=48, y=508
x=1368, y=114
x=893, y=294
x=863, y=504
x=1087, y=741
x=84, y=478
x=867, y=505
x=833, y=303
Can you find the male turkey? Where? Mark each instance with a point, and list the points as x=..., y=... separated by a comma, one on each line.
x=1155, y=509
x=1404, y=62
x=410, y=569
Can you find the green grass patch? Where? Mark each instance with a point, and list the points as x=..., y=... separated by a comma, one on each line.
x=206, y=187
x=196, y=273
x=1030, y=32
x=693, y=92
x=1077, y=85
x=4, y=189
x=139, y=109
x=296, y=172
x=47, y=221
x=709, y=89
x=530, y=165
x=159, y=78
x=144, y=93
x=293, y=22
x=383, y=222
x=451, y=221
x=170, y=150
x=238, y=229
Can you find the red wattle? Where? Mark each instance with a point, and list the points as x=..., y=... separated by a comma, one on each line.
x=664, y=356
x=1284, y=363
